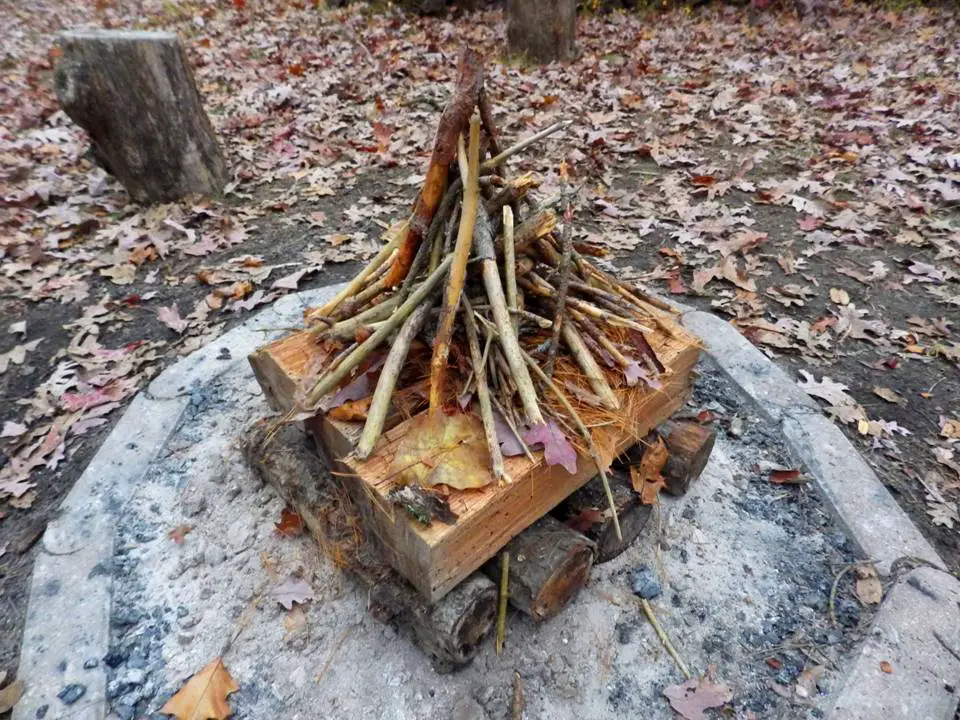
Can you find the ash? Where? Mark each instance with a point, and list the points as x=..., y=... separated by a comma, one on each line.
x=746, y=568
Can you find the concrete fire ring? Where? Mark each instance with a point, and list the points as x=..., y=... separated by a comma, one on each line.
x=917, y=626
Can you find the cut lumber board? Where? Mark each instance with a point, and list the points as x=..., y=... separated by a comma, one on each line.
x=435, y=558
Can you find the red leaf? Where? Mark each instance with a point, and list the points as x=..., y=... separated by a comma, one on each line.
x=785, y=477
x=556, y=448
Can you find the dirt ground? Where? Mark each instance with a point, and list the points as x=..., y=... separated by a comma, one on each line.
x=757, y=170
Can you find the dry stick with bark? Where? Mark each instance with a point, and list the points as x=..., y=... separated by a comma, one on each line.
x=382, y=396
x=331, y=379
x=453, y=122
x=566, y=243
x=585, y=434
x=501, y=316
x=458, y=270
x=483, y=394
x=502, y=157
x=510, y=265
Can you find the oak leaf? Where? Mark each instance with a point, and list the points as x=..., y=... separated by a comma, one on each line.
x=646, y=477
x=290, y=523
x=204, y=697
x=691, y=698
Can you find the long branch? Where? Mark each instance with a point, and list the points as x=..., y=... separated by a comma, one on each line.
x=458, y=270
x=522, y=145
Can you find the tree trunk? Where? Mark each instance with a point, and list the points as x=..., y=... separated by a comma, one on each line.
x=134, y=93
x=542, y=31
x=549, y=563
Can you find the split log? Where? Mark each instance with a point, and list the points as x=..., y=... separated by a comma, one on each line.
x=134, y=93
x=690, y=446
x=587, y=511
x=449, y=630
x=542, y=31
x=549, y=563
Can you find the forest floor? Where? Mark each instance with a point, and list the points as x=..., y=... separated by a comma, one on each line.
x=801, y=179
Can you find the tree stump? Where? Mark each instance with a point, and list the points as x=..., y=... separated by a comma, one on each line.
x=549, y=563
x=690, y=446
x=450, y=630
x=134, y=93
x=587, y=511
x=542, y=31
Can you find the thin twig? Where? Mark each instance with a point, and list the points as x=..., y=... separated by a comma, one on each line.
x=566, y=244
x=502, y=157
x=648, y=611
x=502, y=607
x=510, y=264
x=483, y=394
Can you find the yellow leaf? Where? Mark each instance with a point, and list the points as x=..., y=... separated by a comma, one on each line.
x=204, y=697
x=840, y=297
x=441, y=449
x=868, y=589
x=950, y=429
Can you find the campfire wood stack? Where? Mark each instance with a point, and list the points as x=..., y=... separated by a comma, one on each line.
x=479, y=326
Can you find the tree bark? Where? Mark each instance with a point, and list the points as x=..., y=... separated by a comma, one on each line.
x=134, y=93
x=542, y=31
x=549, y=563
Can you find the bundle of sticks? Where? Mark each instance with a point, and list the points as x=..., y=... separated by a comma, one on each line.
x=482, y=295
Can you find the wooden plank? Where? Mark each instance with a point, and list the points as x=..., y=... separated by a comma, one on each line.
x=435, y=558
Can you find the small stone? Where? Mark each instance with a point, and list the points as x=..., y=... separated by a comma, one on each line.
x=192, y=500
x=188, y=621
x=736, y=426
x=133, y=676
x=71, y=693
x=41, y=712
x=231, y=492
x=389, y=632
x=125, y=617
x=90, y=663
x=125, y=712
x=645, y=583
x=185, y=637
x=114, y=658
x=224, y=354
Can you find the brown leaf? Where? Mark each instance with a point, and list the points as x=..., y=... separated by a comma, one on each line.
x=290, y=523
x=889, y=395
x=868, y=589
x=204, y=697
x=886, y=667
x=691, y=698
x=179, y=533
x=170, y=316
x=585, y=519
x=444, y=449
x=646, y=477
x=950, y=428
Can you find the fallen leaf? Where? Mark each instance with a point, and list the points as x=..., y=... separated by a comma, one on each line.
x=868, y=589
x=806, y=686
x=18, y=354
x=351, y=411
x=557, y=450
x=179, y=533
x=787, y=477
x=122, y=274
x=290, y=523
x=585, y=519
x=292, y=590
x=886, y=667
x=170, y=316
x=204, y=697
x=18, y=328
x=949, y=428
x=12, y=429
x=646, y=476
x=294, y=622
x=23, y=502
x=11, y=695
x=889, y=395
x=691, y=698
x=442, y=449
x=840, y=297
